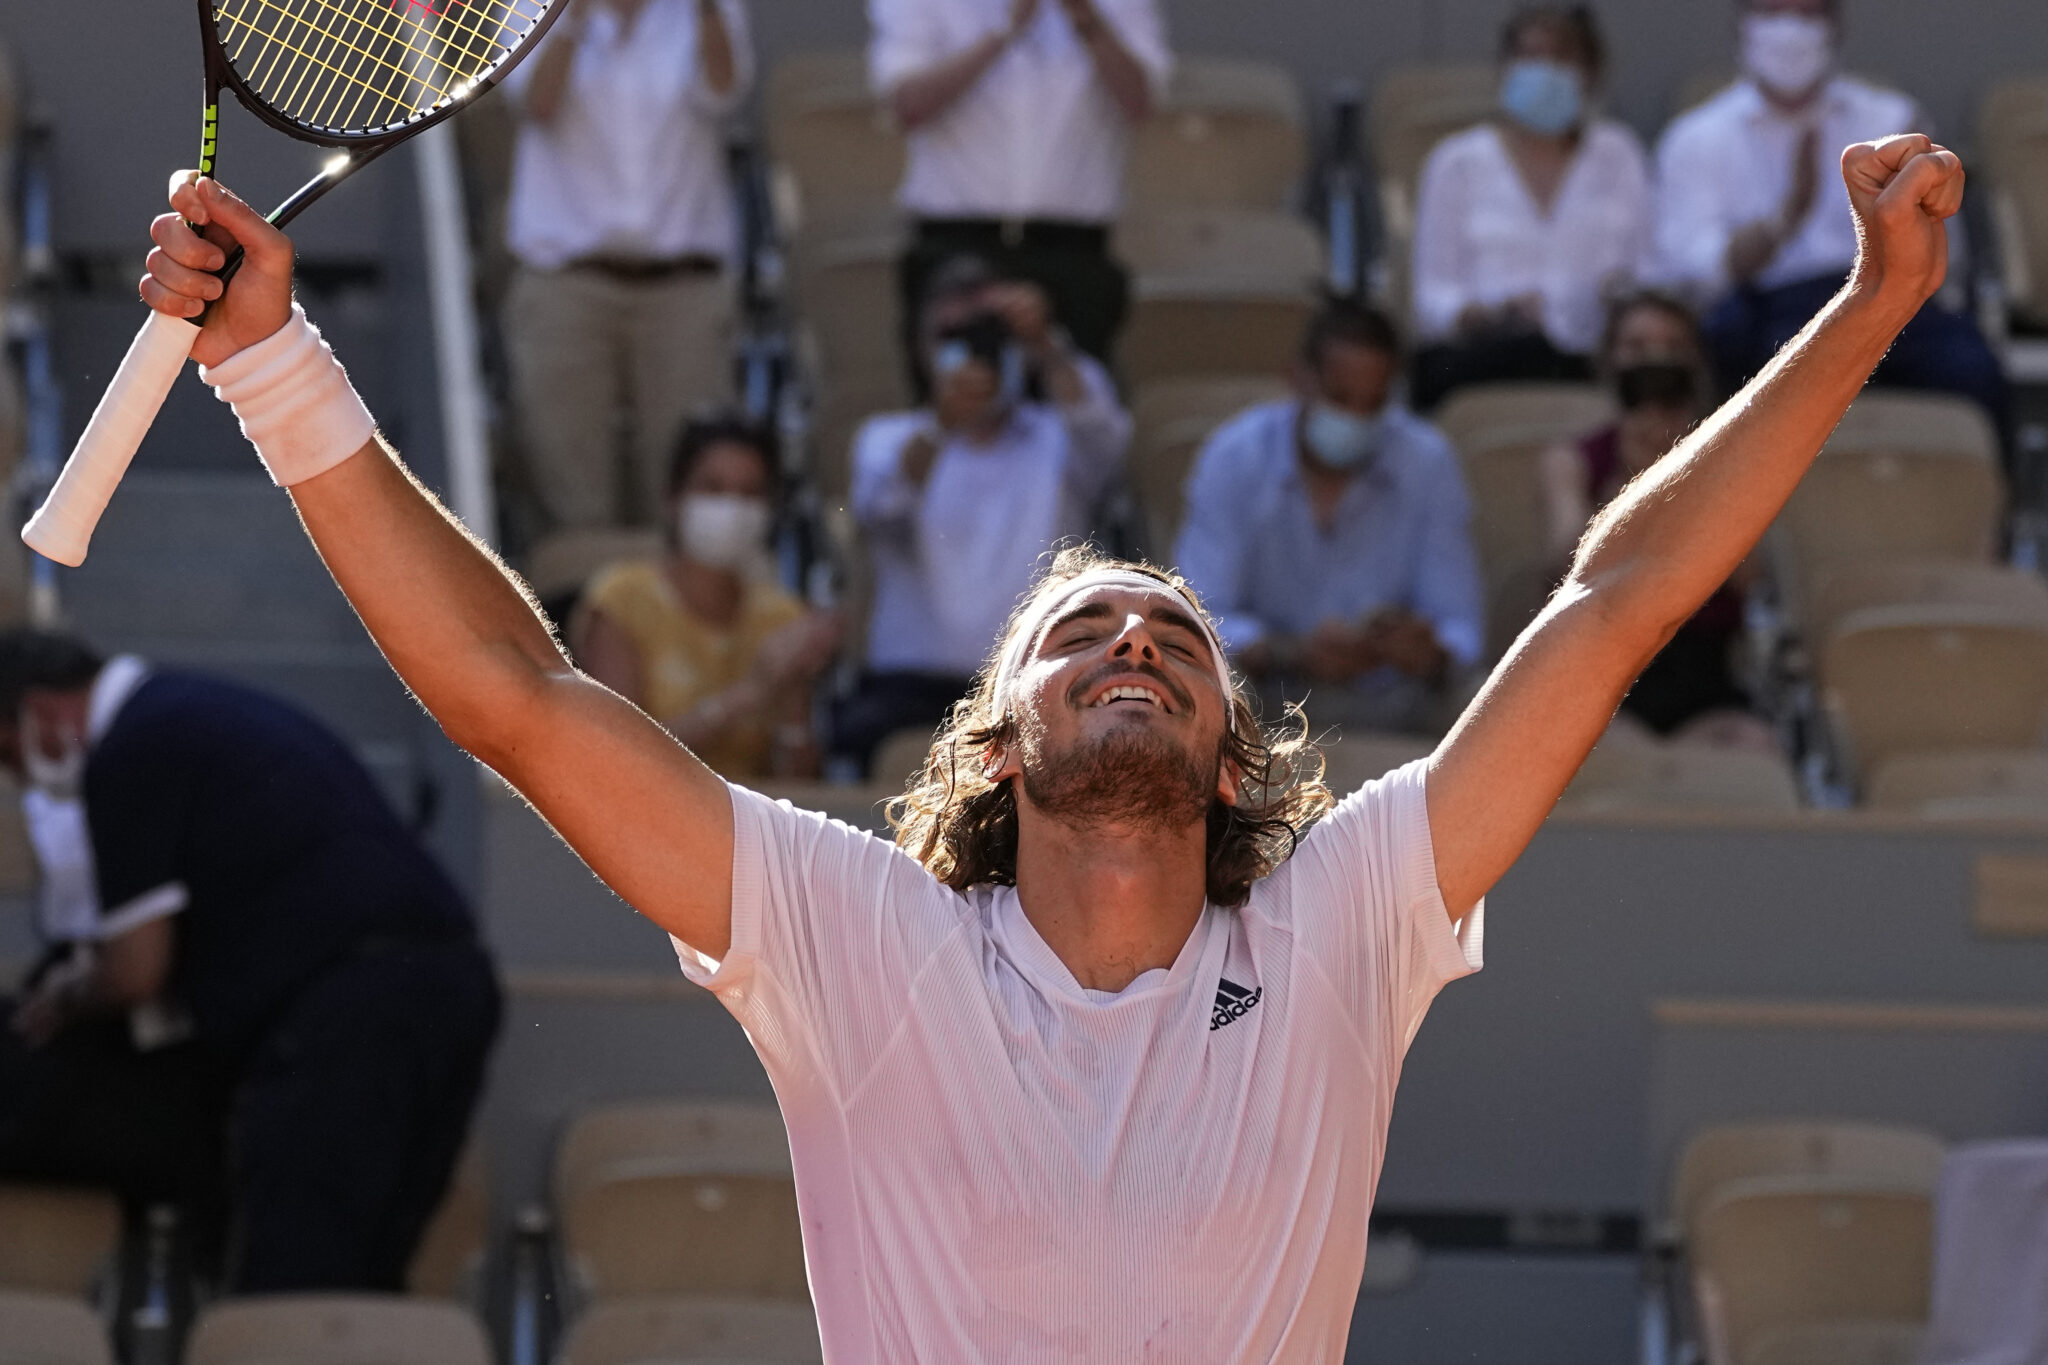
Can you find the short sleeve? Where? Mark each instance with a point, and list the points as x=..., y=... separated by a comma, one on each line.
x=830, y=930
x=1368, y=913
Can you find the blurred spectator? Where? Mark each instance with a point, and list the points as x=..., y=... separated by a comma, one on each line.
x=703, y=639
x=259, y=946
x=1753, y=220
x=1653, y=359
x=1524, y=222
x=958, y=501
x=1329, y=533
x=622, y=218
x=1019, y=115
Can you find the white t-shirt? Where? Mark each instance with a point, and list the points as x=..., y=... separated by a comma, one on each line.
x=1039, y=135
x=994, y=1164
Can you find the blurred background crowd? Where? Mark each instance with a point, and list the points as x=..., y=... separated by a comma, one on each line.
x=782, y=379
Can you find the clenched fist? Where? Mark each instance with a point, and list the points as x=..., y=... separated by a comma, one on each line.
x=1904, y=190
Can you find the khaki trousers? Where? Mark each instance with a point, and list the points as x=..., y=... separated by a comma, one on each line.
x=604, y=374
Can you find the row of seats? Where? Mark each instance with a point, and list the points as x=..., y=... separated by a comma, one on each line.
x=350, y=1329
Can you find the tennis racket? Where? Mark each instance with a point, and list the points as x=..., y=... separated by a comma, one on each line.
x=360, y=76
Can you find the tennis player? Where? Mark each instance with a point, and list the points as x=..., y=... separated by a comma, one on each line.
x=1096, y=1063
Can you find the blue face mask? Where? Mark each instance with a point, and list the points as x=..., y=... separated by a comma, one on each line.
x=1544, y=97
x=1340, y=439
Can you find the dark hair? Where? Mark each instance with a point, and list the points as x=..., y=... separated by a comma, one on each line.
x=1352, y=323
x=701, y=434
x=1575, y=22
x=963, y=828
x=953, y=278
x=34, y=660
x=1619, y=307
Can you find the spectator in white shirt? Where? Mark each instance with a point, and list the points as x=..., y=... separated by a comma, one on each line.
x=1753, y=222
x=958, y=502
x=623, y=222
x=1524, y=222
x=1019, y=116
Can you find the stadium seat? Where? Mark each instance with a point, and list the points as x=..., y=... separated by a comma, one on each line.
x=843, y=406
x=1412, y=110
x=900, y=757
x=1841, y=587
x=50, y=1329
x=1896, y=1156
x=1351, y=761
x=1991, y=1255
x=1196, y=327
x=1906, y=474
x=1633, y=777
x=837, y=153
x=680, y=1198
x=1839, y=1343
x=846, y=296
x=1171, y=419
x=450, y=1257
x=659, y=1331
x=1962, y=783
x=1500, y=432
x=336, y=1329
x=57, y=1239
x=1781, y=1262
x=2012, y=135
x=1252, y=248
x=1230, y=133
x=561, y=563
x=1902, y=679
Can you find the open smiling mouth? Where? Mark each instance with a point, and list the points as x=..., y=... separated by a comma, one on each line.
x=1129, y=692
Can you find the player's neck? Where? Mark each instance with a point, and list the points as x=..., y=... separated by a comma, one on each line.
x=1112, y=903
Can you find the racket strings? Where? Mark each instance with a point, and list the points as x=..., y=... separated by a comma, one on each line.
x=357, y=65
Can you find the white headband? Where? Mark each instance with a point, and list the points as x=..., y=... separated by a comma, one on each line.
x=1018, y=651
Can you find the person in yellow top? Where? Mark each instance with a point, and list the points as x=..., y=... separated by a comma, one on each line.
x=703, y=639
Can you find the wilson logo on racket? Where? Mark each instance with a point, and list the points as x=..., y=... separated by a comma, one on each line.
x=360, y=76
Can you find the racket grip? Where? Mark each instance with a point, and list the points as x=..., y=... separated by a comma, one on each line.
x=63, y=527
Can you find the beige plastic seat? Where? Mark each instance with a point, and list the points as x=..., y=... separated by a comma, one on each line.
x=1171, y=419
x=1841, y=587
x=843, y=407
x=1904, y=476
x=1254, y=248
x=901, y=756
x=1351, y=761
x=1778, y=1258
x=1228, y=134
x=50, y=1329
x=1413, y=109
x=1627, y=777
x=1500, y=432
x=658, y=1331
x=1897, y=680
x=680, y=1198
x=1180, y=328
x=336, y=1329
x=837, y=152
x=1962, y=783
x=1893, y=1155
x=563, y=562
x=56, y=1239
x=847, y=298
x=451, y=1252
x=2012, y=133
x=1839, y=1343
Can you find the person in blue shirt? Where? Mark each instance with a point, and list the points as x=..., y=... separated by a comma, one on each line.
x=272, y=960
x=1330, y=533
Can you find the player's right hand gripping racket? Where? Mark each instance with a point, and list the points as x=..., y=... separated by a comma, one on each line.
x=361, y=76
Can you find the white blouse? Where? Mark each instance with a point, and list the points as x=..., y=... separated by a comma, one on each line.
x=1481, y=238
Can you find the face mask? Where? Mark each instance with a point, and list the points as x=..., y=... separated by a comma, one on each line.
x=722, y=530
x=62, y=777
x=1340, y=439
x=1544, y=97
x=1787, y=54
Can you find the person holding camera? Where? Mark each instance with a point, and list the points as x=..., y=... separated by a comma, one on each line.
x=957, y=501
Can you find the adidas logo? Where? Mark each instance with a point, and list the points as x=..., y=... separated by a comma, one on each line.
x=1233, y=1002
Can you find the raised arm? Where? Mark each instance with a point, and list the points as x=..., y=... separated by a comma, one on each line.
x=1661, y=548
x=462, y=632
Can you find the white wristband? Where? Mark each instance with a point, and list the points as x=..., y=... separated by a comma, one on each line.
x=294, y=401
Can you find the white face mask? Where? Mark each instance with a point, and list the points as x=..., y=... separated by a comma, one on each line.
x=62, y=777
x=1788, y=54
x=723, y=530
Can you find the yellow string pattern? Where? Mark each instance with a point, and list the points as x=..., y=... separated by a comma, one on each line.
x=351, y=66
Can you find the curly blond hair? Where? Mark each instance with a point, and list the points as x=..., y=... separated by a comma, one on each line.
x=963, y=828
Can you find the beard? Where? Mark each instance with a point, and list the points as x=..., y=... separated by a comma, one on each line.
x=1131, y=777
